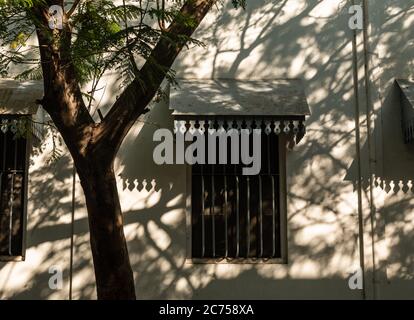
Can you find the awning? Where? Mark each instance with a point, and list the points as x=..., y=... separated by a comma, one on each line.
x=407, y=108
x=19, y=98
x=278, y=105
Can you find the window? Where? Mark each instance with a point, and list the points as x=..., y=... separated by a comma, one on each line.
x=13, y=190
x=407, y=108
x=239, y=218
x=231, y=217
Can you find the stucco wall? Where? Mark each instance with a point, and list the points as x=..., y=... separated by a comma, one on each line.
x=272, y=39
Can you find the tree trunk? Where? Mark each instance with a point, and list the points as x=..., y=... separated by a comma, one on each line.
x=113, y=272
x=84, y=137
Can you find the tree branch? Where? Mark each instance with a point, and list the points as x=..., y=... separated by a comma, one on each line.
x=72, y=10
x=62, y=95
x=135, y=98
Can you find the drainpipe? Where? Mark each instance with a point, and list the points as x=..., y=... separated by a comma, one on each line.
x=358, y=158
x=367, y=71
x=72, y=231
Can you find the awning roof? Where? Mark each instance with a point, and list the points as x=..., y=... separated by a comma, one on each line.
x=224, y=97
x=20, y=97
x=407, y=106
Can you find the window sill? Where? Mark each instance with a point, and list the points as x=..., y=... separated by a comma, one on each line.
x=12, y=259
x=235, y=261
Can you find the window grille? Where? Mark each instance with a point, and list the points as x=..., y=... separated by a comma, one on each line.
x=235, y=216
x=13, y=180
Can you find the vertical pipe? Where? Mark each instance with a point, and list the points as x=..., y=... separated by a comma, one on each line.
x=358, y=156
x=72, y=232
x=369, y=142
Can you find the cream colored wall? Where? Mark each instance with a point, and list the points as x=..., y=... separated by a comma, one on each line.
x=272, y=39
x=392, y=44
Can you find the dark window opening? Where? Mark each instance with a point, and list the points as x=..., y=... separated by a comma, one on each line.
x=13, y=176
x=236, y=216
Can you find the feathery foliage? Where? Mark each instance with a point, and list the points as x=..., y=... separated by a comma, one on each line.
x=105, y=36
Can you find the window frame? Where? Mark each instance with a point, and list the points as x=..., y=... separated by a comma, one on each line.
x=283, y=142
x=29, y=142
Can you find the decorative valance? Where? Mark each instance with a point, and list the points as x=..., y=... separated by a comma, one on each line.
x=277, y=106
x=293, y=127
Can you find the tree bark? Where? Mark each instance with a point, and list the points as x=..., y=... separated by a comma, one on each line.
x=113, y=272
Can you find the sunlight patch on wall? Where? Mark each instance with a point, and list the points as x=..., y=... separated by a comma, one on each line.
x=229, y=271
x=182, y=287
x=290, y=10
x=320, y=233
x=200, y=278
x=317, y=95
x=138, y=200
x=325, y=9
x=271, y=271
x=33, y=274
x=297, y=65
x=17, y=276
x=84, y=284
x=309, y=269
x=160, y=237
x=173, y=218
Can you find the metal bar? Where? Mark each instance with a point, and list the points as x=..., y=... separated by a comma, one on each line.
x=11, y=198
x=213, y=220
x=203, y=204
x=15, y=155
x=226, y=242
x=4, y=152
x=11, y=215
x=248, y=218
x=260, y=217
x=269, y=170
x=3, y=166
x=237, y=219
x=203, y=226
x=272, y=181
x=273, y=218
